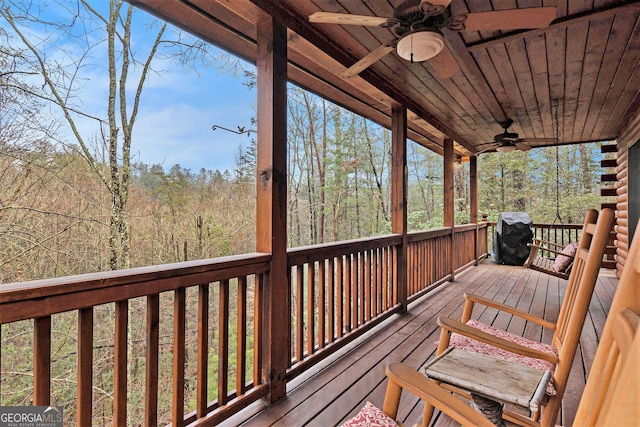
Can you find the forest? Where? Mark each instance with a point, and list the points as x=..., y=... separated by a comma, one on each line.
x=55, y=211
x=73, y=203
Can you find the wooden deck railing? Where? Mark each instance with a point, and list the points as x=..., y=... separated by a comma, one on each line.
x=210, y=366
x=339, y=291
x=202, y=322
x=432, y=260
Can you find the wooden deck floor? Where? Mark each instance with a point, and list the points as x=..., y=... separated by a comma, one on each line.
x=336, y=390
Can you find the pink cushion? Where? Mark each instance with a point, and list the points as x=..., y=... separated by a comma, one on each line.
x=470, y=344
x=370, y=416
x=562, y=262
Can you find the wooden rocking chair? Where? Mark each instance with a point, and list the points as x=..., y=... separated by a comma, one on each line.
x=610, y=397
x=539, y=260
x=557, y=357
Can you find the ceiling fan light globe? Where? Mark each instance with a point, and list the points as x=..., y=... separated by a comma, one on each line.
x=505, y=148
x=420, y=46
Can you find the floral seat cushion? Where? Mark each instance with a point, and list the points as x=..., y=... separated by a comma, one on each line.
x=469, y=344
x=370, y=416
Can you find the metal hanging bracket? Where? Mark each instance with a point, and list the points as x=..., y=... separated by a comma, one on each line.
x=240, y=130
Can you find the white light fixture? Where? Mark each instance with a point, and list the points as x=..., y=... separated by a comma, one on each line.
x=420, y=46
x=505, y=148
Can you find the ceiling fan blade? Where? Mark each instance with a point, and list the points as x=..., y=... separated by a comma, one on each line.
x=346, y=19
x=522, y=146
x=444, y=64
x=510, y=19
x=541, y=140
x=366, y=61
x=491, y=146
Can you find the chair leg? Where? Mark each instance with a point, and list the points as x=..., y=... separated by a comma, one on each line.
x=427, y=413
x=467, y=311
x=443, y=343
x=392, y=399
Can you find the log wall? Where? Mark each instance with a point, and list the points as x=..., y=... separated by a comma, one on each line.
x=628, y=137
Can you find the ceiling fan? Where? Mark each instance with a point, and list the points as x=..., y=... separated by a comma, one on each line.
x=508, y=141
x=417, y=25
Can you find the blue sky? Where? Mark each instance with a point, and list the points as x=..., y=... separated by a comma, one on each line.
x=178, y=107
x=176, y=117
x=178, y=110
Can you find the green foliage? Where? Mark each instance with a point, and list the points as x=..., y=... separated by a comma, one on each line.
x=543, y=182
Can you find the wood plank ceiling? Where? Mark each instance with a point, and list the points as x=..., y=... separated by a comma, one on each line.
x=586, y=62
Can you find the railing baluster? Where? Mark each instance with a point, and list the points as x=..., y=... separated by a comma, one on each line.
x=367, y=285
x=152, y=354
x=42, y=361
x=120, y=361
x=321, y=303
x=331, y=300
x=179, y=327
x=385, y=278
x=376, y=303
x=311, y=277
x=241, y=333
x=223, y=342
x=299, y=312
x=85, y=366
x=202, y=356
x=347, y=293
x=394, y=274
x=353, y=285
x=362, y=296
x=341, y=295
x=257, y=329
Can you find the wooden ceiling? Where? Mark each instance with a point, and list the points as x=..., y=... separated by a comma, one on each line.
x=586, y=62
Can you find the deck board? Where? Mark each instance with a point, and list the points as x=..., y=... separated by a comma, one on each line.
x=336, y=391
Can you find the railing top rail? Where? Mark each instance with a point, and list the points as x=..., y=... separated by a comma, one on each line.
x=255, y=262
x=468, y=227
x=552, y=226
x=443, y=231
x=326, y=250
x=429, y=234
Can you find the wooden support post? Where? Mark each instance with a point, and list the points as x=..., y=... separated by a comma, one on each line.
x=399, y=196
x=473, y=198
x=473, y=189
x=271, y=215
x=448, y=197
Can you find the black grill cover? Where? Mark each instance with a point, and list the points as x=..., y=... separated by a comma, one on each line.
x=513, y=231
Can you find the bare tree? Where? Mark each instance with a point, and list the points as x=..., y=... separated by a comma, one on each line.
x=65, y=55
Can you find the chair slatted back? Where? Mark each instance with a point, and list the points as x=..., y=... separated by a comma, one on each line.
x=575, y=305
x=612, y=393
x=584, y=273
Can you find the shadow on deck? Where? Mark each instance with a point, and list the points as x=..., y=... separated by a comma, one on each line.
x=335, y=390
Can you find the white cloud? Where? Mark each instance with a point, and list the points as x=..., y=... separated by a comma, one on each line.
x=181, y=134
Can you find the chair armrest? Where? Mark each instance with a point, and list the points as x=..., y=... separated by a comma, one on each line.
x=532, y=255
x=402, y=376
x=511, y=310
x=455, y=326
